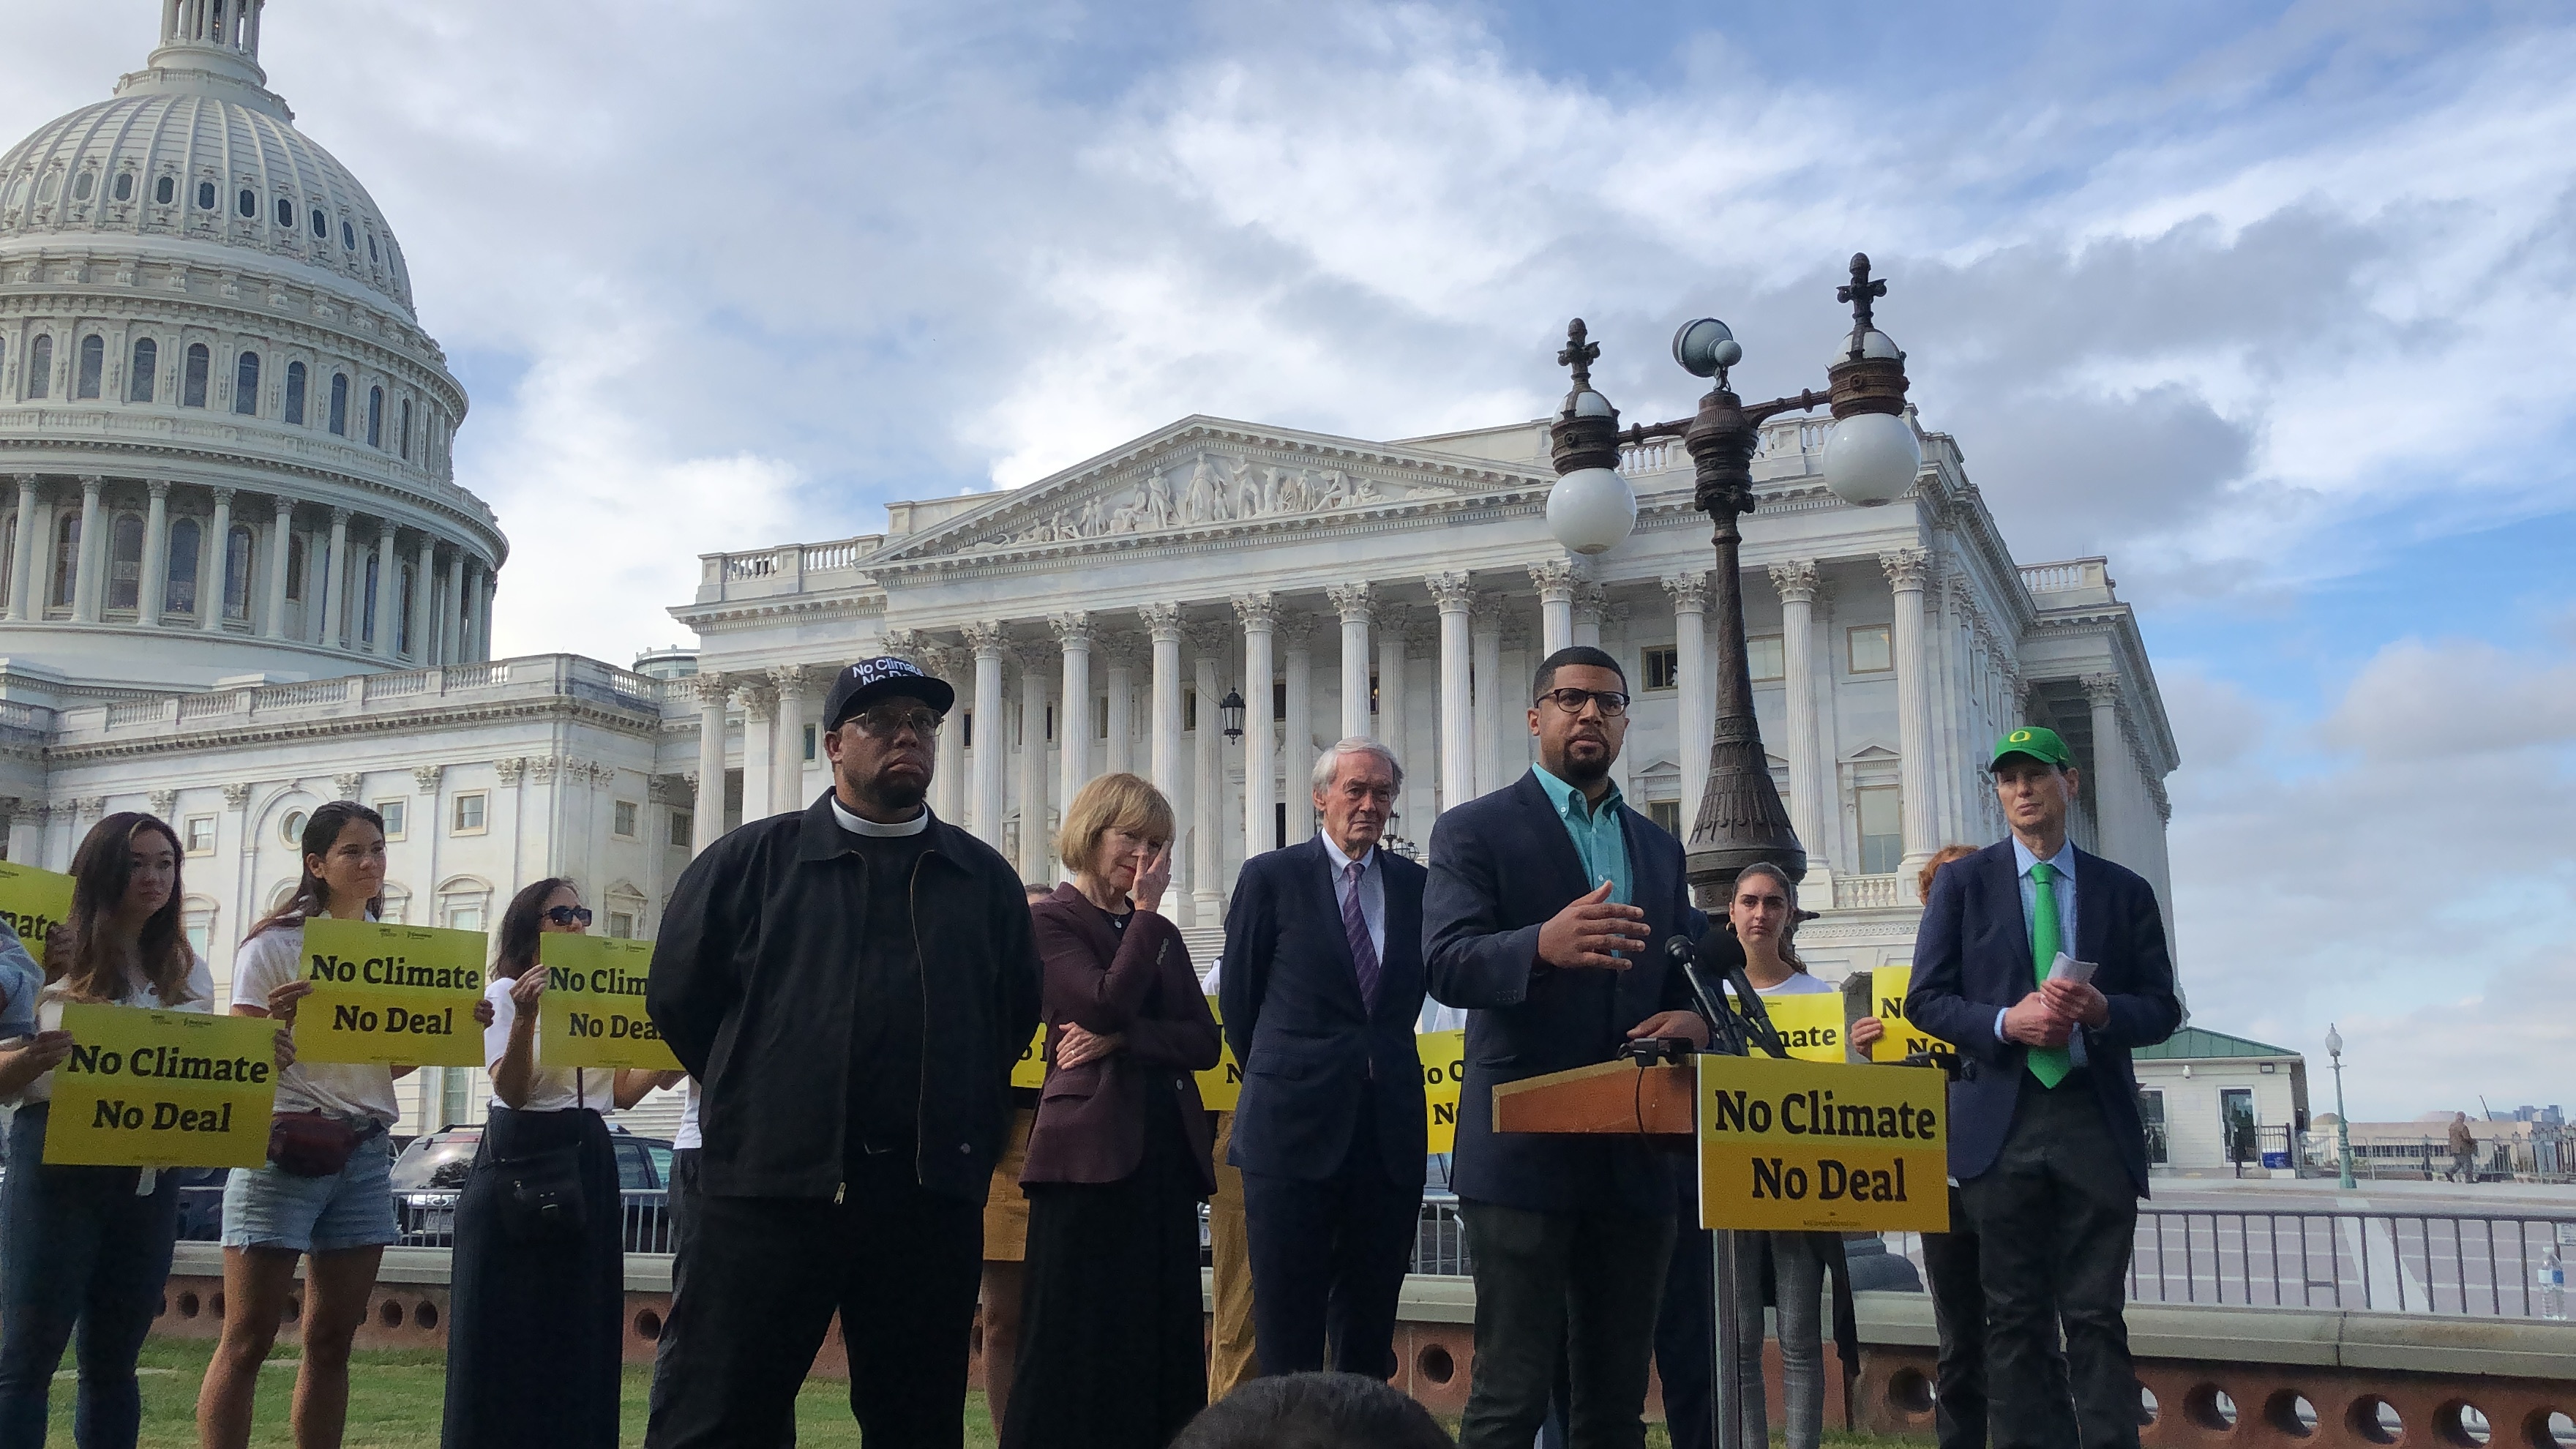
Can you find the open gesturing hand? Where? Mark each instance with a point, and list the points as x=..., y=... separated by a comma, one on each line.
x=1588, y=931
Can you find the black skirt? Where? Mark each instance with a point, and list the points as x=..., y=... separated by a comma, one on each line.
x=536, y=1325
x=1113, y=1348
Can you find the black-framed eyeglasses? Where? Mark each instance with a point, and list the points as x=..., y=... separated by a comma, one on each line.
x=1613, y=703
x=568, y=915
x=885, y=721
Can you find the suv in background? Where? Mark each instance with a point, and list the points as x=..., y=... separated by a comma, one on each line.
x=430, y=1175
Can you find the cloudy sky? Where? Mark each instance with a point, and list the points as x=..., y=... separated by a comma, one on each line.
x=2271, y=303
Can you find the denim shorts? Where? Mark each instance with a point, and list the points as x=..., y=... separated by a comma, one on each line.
x=268, y=1207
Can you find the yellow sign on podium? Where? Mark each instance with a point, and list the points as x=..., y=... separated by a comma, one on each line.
x=1791, y=1146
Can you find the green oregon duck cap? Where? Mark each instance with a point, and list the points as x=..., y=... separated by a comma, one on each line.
x=2039, y=744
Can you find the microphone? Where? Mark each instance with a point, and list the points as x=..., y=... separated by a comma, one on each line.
x=1678, y=952
x=1720, y=947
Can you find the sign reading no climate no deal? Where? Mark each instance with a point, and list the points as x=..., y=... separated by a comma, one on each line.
x=1444, y=1079
x=1791, y=1146
x=390, y=995
x=592, y=1014
x=33, y=902
x=149, y=1088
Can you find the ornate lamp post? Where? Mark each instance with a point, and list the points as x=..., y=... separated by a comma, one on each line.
x=2343, y=1124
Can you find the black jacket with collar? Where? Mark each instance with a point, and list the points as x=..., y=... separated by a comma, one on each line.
x=751, y=987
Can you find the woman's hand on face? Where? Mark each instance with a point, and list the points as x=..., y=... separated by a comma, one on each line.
x=482, y=1011
x=282, y=999
x=1867, y=1031
x=530, y=986
x=1080, y=1047
x=1153, y=877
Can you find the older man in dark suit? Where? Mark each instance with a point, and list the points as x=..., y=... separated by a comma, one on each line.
x=1321, y=984
x=2045, y=1138
x=1544, y=901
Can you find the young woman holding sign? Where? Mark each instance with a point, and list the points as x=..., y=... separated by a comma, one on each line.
x=537, y=1329
x=90, y=1246
x=326, y=1193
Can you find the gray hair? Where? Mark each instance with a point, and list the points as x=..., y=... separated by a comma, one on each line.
x=1329, y=763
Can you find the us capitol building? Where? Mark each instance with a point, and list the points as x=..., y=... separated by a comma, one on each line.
x=241, y=580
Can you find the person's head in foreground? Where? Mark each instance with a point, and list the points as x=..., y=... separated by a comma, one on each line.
x=1314, y=1411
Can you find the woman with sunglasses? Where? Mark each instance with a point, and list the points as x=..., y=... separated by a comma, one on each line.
x=539, y=1280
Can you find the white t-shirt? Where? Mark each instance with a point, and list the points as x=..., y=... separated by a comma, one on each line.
x=271, y=959
x=688, y=1136
x=49, y=1012
x=550, y=1089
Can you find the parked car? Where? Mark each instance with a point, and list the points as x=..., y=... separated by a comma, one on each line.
x=431, y=1173
x=201, y=1203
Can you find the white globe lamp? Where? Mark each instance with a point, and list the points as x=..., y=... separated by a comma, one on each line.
x=1590, y=510
x=1871, y=459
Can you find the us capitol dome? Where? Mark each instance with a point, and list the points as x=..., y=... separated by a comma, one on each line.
x=225, y=441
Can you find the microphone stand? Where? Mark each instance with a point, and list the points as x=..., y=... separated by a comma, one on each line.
x=1729, y=1035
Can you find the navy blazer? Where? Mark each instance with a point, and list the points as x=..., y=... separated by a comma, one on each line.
x=1314, y=1055
x=1501, y=867
x=1972, y=955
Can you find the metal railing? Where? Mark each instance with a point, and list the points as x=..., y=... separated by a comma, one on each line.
x=426, y=1218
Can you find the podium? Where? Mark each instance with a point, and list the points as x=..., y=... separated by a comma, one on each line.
x=1608, y=1098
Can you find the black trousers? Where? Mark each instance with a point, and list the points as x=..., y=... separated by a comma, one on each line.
x=1577, y=1288
x=1684, y=1329
x=765, y=1275
x=2056, y=1219
x=1959, y=1313
x=1328, y=1262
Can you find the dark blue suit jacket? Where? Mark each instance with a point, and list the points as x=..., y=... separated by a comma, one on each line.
x=1972, y=955
x=1501, y=866
x=1315, y=1055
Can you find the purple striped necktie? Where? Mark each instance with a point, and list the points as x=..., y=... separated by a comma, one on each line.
x=1355, y=929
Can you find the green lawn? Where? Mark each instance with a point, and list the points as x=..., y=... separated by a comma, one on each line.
x=394, y=1404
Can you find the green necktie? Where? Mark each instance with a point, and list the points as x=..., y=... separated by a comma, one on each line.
x=2049, y=1064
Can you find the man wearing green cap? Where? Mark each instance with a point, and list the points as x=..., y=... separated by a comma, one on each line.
x=2045, y=1139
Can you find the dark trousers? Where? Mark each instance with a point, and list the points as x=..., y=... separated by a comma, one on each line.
x=765, y=1276
x=1684, y=1328
x=1579, y=1288
x=1959, y=1313
x=79, y=1249
x=2056, y=1218
x=1328, y=1262
x=681, y=1207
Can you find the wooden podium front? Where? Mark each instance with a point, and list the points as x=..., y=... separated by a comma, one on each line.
x=1614, y=1097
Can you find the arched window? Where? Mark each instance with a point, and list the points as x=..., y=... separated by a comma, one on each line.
x=66, y=558
x=146, y=371
x=237, y=557
x=367, y=611
x=165, y=190
x=205, y=196
x=179, y=583
x=286, y=213
x=402, y=604
x=295, y=568
x=93, y=367
x=321, y=223
x=125, y=186
x=246, y=385
x=372, y=257
x=192, y=378
x=405, y=435
x=247, y=203
x=84, y=185
x=295, y=393
x=40, y=367
x=375, y=417
x=340, y=403
x=348, y=237
x=125, y=562
x=49, y=188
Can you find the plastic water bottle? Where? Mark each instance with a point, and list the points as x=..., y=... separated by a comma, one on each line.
x=2551, y=1279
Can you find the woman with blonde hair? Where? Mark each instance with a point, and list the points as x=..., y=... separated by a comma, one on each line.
x=1111, y=1346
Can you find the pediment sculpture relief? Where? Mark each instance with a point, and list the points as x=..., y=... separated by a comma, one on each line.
x=1217, y=488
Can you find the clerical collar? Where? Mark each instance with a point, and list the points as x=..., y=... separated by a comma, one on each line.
x=857, y=826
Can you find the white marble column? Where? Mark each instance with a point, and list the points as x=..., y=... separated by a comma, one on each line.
x=451, y=616
x=1354, y=602
x=1455, y=597
x=948, y=765
x=759, y=777
x=334, y=590
x=1591, y=606
x=1811, y=811
x=1697, y=699
x=1207, y=800
x=149, y=589
x=706, y=819
x=1163, y=752
x=2108, y=785
x=1260, y=616
x=992, y=734
x=1297, y=635
x=1485, y=634
x=388, y=589
x=1392, y=620
x=1073, y=710
x=26, y=829
x=787, y=746
x=26, y=598
x=281, y=545
x=1119, y=750
x=490, y=586
x=89, y=585
x=1556, y=581
x=1907, y=570
x=1036, y=859
x=424, y=594
x=214, y=575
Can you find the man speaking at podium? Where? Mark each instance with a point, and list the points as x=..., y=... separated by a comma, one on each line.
x=1544, y=902
x=2045, y=1139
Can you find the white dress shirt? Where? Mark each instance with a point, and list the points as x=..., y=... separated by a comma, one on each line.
x=1372, y=889
x=2062, y=885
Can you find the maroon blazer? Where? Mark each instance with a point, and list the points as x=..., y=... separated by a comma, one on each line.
x=1091, y=1118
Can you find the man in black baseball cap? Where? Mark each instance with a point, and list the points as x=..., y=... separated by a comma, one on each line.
x=851, y=985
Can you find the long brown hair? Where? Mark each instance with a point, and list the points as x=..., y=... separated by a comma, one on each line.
x=101, y=870
x=312, y=895
x=516, y=949
x=1789, y=927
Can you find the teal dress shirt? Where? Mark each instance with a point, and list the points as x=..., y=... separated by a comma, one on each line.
x=1599, y=833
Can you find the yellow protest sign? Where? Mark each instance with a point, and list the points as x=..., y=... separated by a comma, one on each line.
x=33, y=902
x=1222, y=1084
x=1810, y=1024
x=1887, y=988
x=1809, y=1147
x=1444, y=1077
x=1030, y=1069
x=390, y=995
x=592, y=1014
x=147, y=1088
